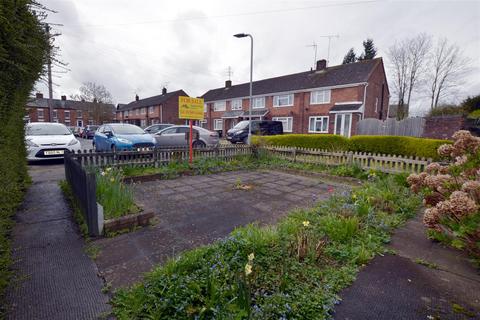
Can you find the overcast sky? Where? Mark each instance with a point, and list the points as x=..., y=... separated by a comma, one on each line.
x=137, y=47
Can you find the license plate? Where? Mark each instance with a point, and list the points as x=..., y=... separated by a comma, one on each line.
x=53, y=152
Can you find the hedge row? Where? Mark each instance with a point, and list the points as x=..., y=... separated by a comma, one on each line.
x=23, y=47
x=393, y=145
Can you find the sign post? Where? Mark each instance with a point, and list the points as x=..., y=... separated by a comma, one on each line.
x=190, y=109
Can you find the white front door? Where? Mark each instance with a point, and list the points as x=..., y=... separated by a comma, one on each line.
x=343, y=124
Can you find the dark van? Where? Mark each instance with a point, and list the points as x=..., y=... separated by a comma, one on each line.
x=239, y=133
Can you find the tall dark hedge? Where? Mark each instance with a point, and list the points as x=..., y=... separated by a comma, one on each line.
x=23, y=48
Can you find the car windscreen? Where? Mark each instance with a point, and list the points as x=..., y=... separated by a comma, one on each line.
x=92, y=128
x=47, y=130
x=127, y=129
x=241, y=125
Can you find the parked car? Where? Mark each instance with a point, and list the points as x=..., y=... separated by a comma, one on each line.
x=49, y=140
x=121, y=136
x=89, y=132
x=177, y=136
x=239, y=133
x=154, y=128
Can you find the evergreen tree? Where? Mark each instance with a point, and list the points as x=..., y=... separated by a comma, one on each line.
x=369, y=50
x=350, y=57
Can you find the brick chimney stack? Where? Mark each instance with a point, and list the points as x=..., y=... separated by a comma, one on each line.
x=39, y=95
x=64, y=98
x=228, y=83
x=164, y=90
x=136, y=97
x=321, y=64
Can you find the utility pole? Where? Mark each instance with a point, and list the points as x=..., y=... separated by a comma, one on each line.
x=49, y=74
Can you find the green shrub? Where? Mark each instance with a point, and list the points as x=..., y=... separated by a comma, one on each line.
x=392, y=145
x=23, y=47
x=323, y=142
x=396, y=145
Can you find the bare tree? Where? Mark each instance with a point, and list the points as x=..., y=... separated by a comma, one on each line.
x=448, y=68
x=101, y=110
x=92, y=92
x=408, y=60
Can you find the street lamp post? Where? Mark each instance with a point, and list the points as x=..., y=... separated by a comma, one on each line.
x=243, y=35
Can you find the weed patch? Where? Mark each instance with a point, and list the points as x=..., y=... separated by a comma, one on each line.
x=292, y=270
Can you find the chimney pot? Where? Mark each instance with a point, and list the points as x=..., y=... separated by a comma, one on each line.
x=164, y=90
x=136, y=97
x=39, y=95
x=228, y=83
x=321, y=64
x=64, y=98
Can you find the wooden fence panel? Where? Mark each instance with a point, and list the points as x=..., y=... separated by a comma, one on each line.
x=413, y=127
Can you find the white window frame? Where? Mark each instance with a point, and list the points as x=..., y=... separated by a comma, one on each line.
x=66, y=113
x=90, y=122
x=125, y=113
x=137, y=111
x=287, y=123
x=217, y=124
x=143, y=110
x=40, y=113
x=55, y=114
x=256, y=105
x=279, y=100
x=79, y=114
x=67, y=123
x=236, y=104
x=220, y=105
x=151, y=109
x=324, y=94
x=203, y=123
x=318, y=118
x=205, y=107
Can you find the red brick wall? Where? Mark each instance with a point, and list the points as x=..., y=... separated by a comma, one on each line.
x=374, y=91
x=443, y=127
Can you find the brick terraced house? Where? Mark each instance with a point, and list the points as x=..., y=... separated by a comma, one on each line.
x=69, y=112
x=157, y=109
x=325, y=100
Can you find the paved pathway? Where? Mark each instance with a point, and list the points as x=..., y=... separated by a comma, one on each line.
x=54, y=278
x=398, y=287
x=193, y=211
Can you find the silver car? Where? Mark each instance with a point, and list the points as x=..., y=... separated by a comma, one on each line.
x=176, y=136
x=154, y=128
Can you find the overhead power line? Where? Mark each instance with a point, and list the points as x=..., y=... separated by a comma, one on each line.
x=325, y=5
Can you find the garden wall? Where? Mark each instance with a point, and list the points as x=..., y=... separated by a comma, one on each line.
x=443, y=127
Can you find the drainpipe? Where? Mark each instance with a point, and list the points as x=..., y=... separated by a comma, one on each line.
x=364, y=99
x=161, y=113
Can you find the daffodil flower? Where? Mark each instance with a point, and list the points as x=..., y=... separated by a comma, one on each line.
x=248, y=269
x=102, y=173
x=251, y=256
x=112, y=179
x=306, y=223
x=108, y=169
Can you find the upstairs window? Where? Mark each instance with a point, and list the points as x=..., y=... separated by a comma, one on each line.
x=284, y=100
x=320, y=96
x=236, y=104
x=55, y=114
x=67, y=114
x=40, y=113
x=219, y=106
x=79, y=113
x=205, y=107
x=258, y=103
x=151, y=109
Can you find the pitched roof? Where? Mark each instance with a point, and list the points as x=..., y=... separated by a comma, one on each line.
x=67, y=104
x=332, y=76
x=151, y=101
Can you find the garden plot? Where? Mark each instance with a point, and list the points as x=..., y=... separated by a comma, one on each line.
x=196, y=210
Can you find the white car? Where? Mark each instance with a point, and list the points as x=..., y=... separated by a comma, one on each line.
x=49, y=140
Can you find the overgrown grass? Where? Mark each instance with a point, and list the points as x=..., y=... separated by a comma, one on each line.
x=75, y=206
x=115, y=197
x=297, y=267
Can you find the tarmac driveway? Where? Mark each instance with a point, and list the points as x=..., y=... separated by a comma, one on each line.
x=197, y=210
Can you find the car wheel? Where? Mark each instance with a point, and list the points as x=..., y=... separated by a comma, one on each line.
x=199, y=144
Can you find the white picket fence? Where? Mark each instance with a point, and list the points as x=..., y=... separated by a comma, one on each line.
x=380, y=162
